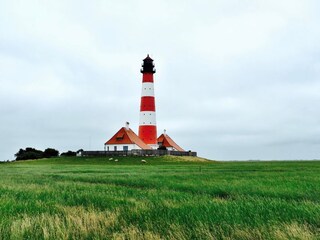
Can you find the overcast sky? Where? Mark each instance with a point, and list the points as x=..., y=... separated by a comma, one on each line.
x=235, y=79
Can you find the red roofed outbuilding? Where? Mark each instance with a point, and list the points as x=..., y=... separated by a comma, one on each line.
x=165, y=141
x=125, y=139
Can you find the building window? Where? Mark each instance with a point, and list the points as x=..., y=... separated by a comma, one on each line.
x=115, y=148
x=119, y=136
x=125, y=148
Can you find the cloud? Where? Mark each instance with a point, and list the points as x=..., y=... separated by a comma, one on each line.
x=235, y=79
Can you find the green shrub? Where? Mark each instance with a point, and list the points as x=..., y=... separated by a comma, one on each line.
x=68, y=154
x=50, y=152
x=32, y=153
x=28, y=153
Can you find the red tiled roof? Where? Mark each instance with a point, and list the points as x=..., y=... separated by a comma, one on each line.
x=166, y=141
x=127, y=136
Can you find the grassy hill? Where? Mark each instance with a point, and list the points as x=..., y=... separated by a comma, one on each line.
x=166, y=198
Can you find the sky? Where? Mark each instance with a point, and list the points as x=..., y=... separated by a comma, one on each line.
x=235, y=80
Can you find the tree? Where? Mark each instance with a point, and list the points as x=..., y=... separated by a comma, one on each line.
x=28, y=153
x=32, y=153
x=79, y=151
x=50, y=152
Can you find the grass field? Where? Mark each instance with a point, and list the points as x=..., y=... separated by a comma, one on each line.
x=166, y=198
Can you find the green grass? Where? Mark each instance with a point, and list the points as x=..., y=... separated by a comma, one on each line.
x=167, y=198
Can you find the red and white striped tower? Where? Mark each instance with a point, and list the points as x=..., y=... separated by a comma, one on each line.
x=147, y=124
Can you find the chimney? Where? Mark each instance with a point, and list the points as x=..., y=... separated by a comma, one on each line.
x=127, y=126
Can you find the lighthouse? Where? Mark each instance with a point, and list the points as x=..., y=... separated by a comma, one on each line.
x=147, y=123
x=126, y=140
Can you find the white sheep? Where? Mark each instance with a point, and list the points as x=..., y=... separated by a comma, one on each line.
x=116, y=160
x=110, y=159
x=143, y=161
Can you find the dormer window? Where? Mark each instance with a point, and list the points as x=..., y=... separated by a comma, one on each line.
x=119, y=136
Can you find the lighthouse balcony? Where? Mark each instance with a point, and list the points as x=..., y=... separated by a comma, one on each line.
x=147, y=70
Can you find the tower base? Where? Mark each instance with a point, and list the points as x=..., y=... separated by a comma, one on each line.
x=148, y=134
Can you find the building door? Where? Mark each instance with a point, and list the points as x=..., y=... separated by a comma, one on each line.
x=115, y=148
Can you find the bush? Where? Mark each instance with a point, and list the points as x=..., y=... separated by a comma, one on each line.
x=32, y=153
x=50, y=152
x=68, y=154
x=28, y=153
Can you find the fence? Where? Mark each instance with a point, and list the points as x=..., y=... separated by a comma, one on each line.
x=137, y=152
